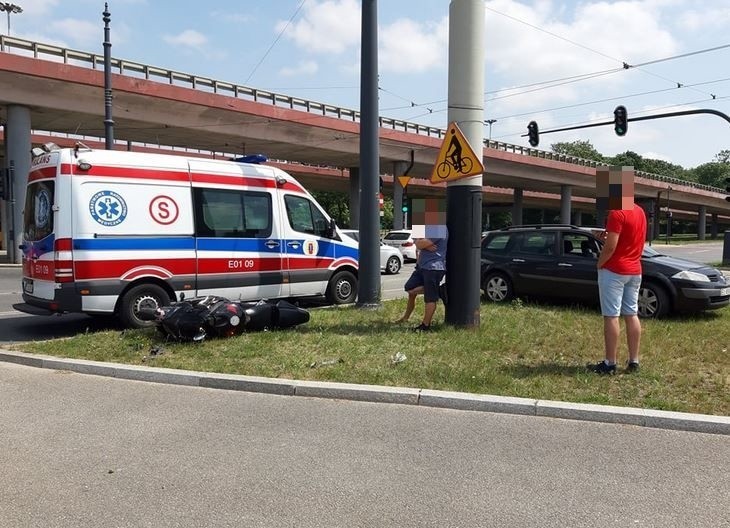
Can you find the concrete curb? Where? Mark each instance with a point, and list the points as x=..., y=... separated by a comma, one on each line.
x=701, y=423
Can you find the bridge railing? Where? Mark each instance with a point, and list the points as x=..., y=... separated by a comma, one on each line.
x=153, y=73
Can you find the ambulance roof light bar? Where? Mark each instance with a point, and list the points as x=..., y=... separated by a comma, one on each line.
x=252, y=158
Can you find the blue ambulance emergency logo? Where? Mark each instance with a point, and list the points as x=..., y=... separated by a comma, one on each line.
x=108, y=208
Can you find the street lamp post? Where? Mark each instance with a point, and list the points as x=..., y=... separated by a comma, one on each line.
x=10, y=8
x=490, y=122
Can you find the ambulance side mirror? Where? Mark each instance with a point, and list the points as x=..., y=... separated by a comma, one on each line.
x=331, y=229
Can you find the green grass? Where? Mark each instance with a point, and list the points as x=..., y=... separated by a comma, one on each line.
x=526, y=350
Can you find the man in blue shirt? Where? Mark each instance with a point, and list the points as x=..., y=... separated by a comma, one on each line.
x=426, y=278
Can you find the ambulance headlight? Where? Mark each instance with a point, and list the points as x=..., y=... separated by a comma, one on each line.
x=84, y=165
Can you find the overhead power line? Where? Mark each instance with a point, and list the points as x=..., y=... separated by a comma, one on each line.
x=296, y=11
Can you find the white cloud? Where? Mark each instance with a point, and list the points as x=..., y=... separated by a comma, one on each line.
x=38, y=7
x=696, y=20
x=550, y=48
x=325, y=27
x=409, y=47
x=80, y=32
x=189, y=38
x=303, y=68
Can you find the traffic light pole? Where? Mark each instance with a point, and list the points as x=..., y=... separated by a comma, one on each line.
x=464, y=196
x=644, y=118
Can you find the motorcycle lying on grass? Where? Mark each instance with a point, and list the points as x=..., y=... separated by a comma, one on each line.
x=200, y=317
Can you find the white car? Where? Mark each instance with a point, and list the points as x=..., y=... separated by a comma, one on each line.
x=403, y=240
x=391, y=260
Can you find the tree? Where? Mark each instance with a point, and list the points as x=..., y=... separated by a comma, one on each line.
x=723, y=156
x=579, y=149
x=712, y=173
x=627, y=159
x=337, y=205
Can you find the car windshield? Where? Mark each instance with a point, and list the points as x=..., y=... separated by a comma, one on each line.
x=650, y=252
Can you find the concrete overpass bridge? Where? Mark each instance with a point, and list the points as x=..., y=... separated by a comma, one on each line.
x=61, y=91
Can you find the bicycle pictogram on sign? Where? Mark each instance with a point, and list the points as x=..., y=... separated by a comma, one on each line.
x=456, y=158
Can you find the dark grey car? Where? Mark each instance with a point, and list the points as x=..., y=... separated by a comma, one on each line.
x=559, y=262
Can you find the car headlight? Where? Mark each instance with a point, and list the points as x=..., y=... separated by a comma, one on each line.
x=691, y=276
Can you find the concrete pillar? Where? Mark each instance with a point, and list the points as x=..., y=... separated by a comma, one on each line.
x=577, y=218
x=517, y=207
x=702, y=222
x=714, y=227
x=399, y=167
x=354, y=197
x=17, y=156
x=601, y=213
x=657, y=216
x=464, y=196
x=647, y=204
x=566, y=192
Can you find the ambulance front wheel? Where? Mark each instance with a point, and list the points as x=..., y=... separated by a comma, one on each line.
x=342, y=288
x=137, y=298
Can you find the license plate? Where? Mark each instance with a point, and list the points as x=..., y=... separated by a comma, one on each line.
x=724, y=292
x=27, y=285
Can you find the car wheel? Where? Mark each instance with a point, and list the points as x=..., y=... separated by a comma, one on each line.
x=498, y=288
x=342, y=288
x=653, y=301
x=392, y=266
x=144, y=296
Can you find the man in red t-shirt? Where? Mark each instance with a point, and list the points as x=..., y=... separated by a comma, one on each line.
x=619, y=280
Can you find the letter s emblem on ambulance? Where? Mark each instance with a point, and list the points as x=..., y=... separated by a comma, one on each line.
x=164, y=210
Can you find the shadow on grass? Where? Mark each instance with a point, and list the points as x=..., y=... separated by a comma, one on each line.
x=543, y=369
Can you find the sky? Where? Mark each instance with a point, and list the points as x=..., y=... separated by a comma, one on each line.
x=557, y=62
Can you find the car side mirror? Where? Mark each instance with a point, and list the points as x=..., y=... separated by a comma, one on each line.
x=331, y=231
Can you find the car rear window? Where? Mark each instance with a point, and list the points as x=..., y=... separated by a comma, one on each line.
x=397, y=236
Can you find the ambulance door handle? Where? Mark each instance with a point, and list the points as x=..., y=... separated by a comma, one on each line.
x=294, y=244
x=271, y=244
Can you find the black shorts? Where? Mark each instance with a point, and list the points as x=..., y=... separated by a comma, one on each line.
x=429, y=279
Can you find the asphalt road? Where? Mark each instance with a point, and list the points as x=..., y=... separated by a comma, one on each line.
x=86, y=451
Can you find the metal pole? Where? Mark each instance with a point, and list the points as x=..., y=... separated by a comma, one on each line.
x=108, y=122
x=369, y=273
x=464, y=196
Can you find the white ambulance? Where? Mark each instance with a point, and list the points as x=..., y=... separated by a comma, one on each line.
x=110, y=232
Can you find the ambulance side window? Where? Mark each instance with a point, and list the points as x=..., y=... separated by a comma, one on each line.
x=38, y=212
x=304, y=216
x=232, y=214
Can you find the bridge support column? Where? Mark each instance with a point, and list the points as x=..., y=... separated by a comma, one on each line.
x=649, y=206
x=577, y=218
x=399, y=167
x=702, y=222
x=714, y=228
x=566, y=192
x=517, y=207
x=354, y=197
x=601, y=213
x=17, y=156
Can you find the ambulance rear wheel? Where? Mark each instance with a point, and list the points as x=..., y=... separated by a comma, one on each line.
x=342, y=288
x=137, y=298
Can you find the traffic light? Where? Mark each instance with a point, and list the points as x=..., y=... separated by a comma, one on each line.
x=404, y=207
x=533, y=133
x=620, y=120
